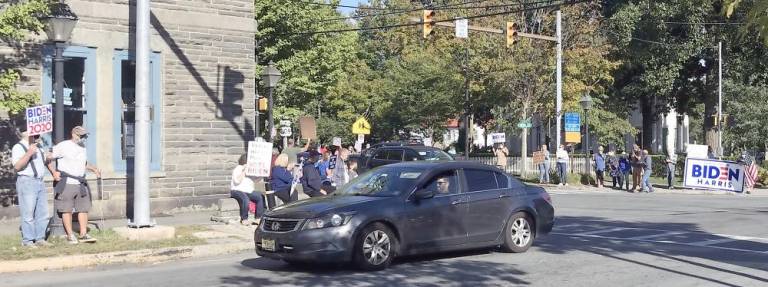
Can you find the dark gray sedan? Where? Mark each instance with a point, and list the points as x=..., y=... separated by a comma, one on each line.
x=405, y=209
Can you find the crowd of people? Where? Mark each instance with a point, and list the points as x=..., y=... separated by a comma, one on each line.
x=315, y=170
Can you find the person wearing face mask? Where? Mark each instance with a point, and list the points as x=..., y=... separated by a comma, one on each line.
x=28, y=162
x=71, y=193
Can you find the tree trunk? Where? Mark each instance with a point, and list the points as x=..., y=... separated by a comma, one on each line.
x=649, y=121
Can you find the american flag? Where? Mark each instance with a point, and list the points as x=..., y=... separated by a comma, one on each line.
x=751, y=174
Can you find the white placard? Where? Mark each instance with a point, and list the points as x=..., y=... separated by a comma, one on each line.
x=337, y=141
x=427, y=141
x=259, y=159
x=39, y=120
x=714, y=174
x=462, y=28
x=697, y=151
x=499, y=137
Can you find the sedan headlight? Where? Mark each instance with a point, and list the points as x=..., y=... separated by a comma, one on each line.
x=330, y=220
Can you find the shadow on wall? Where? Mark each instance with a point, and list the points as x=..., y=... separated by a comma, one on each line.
x=414, y=271
x=231, y=105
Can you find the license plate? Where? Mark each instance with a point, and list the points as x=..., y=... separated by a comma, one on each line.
x=268, y=244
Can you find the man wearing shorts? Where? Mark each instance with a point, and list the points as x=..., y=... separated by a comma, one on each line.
x=71, y=193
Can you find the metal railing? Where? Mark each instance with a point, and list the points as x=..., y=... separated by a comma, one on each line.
x=515, y=165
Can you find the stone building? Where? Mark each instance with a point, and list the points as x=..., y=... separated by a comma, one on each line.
x=202, y=90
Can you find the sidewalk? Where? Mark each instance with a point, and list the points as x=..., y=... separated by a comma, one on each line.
x=211, y=239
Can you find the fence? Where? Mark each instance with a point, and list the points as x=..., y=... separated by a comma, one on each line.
x=515, y=165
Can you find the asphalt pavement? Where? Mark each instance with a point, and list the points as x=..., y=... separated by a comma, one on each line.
x=600, y=239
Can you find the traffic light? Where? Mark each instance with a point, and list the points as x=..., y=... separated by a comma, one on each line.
x=715, y=121
x=511, y=34
x=263, y=104
x=427, y=19
x=725, y=121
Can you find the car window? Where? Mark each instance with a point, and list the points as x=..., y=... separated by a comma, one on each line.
x=411, y=155
x=502, y=180
x=480, y=180
x=434, y=155
x=445, y=183
x=386, y=181
x=395, y=154
x=381, y=154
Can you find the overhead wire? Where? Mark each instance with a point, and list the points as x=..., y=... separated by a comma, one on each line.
x=566, y=2
x=400, y=11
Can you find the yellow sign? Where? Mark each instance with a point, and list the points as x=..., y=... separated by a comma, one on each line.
x=361, y=126
x=572, y=137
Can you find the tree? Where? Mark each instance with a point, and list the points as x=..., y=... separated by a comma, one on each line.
x=756, y=19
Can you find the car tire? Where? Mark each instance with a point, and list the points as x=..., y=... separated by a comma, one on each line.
x=518, y=234
x=374, y=247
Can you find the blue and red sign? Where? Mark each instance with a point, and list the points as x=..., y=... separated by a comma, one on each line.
x=714, y=174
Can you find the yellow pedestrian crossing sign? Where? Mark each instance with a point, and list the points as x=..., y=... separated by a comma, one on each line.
x=361, y=126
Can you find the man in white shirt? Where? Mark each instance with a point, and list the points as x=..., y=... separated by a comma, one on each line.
x=71, y=193
x=562, y=165
x=29, y=164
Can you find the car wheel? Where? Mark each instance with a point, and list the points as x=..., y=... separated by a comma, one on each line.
x=518, y=234
x=374, y=247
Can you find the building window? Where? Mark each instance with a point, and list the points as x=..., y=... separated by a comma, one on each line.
x=79, y=93
x=124, y=83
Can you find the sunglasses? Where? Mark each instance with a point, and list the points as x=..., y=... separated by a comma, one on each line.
x=442, y=182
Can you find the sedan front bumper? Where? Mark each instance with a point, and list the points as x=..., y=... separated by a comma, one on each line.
x=332, y=244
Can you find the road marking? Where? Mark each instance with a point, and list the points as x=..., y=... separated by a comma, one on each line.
x=713, y=241
x=663, y=241
x=604, y=231
x=658, y=235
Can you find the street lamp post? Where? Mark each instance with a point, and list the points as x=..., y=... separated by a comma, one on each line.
x=59, y=25
x=270, y=76
x=586, y=104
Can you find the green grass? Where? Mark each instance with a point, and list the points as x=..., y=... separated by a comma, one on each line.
x=108, y=241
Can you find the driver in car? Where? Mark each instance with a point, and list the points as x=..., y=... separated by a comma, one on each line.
x=443, y=185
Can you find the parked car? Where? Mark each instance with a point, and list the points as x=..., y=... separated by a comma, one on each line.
x=405, y=209
x=389, y=153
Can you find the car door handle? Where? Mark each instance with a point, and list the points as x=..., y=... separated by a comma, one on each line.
x=458, y=201
x=503, y=195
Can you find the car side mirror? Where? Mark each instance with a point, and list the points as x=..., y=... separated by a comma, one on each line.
x=423, y=194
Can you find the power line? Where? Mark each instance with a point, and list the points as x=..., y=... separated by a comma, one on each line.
x=702, y=23
x=446, y=20
x=337, y=5
x=401, y=11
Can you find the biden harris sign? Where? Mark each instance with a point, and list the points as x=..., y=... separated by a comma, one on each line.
x=714, y=174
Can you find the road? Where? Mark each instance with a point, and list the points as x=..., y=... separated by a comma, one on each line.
x=601, y=239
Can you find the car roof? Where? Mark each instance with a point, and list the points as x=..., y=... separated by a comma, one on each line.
x=445, y=165
x=413, y=147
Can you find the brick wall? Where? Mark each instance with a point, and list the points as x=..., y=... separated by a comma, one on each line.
x=207, y=90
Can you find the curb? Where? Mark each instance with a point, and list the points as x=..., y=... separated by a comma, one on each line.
x=133, y=256
x=581, y=189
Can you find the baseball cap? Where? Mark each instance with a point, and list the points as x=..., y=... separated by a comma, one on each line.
x=79, y=130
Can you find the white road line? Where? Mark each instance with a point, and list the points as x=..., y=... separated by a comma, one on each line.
x=713, y=241
x=663, y=241
x=604, y=231
x=657, y=235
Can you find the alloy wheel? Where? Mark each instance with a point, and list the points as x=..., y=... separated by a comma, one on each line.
x=521, y=232
x=376, y=247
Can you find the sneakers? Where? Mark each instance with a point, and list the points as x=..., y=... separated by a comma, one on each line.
x=43, y=243
x=30, y=245
x=87, y=238
x=72, y=240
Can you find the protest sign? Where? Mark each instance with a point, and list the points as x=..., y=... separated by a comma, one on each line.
x=538, y=157
x=337, y=141
x=308, y=128
x=498, y=137
x=39, y=120
x=714, y=174
x=259, y=159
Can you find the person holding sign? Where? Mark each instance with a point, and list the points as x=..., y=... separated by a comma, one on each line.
x=29, y=163
x=562, y=165
x=501, y=153
x=544, y=166
x=242, y=190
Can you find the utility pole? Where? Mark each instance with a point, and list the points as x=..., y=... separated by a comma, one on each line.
x=467, y=110
x=559, y=101
x=143, y=100
x=720, y=98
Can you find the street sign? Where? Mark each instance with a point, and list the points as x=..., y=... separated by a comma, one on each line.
x=524, y=125
x=572, y=137
x=361, y=126
x=462, y=28
x=572, y=122
x=39, y=120
x=286, y=131
x=285, y=123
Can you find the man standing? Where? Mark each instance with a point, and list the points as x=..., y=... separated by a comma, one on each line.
x=311, y=182
x=544, y=166
x=29, y=162
x=71, y=192
x=562, y=165
x=625, y=168
x=501, y=152
x=637, y=167
x=671, y=158
x=599, y=159
x=647, y=164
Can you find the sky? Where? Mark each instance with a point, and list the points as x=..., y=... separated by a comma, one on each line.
x=347, y=11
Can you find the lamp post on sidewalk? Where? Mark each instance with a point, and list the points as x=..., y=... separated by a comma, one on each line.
x=270, y=77
x=586, y=104
x=58, y=26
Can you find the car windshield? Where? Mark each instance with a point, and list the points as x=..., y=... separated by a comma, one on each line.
x=435, y=155
x=385, y=181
